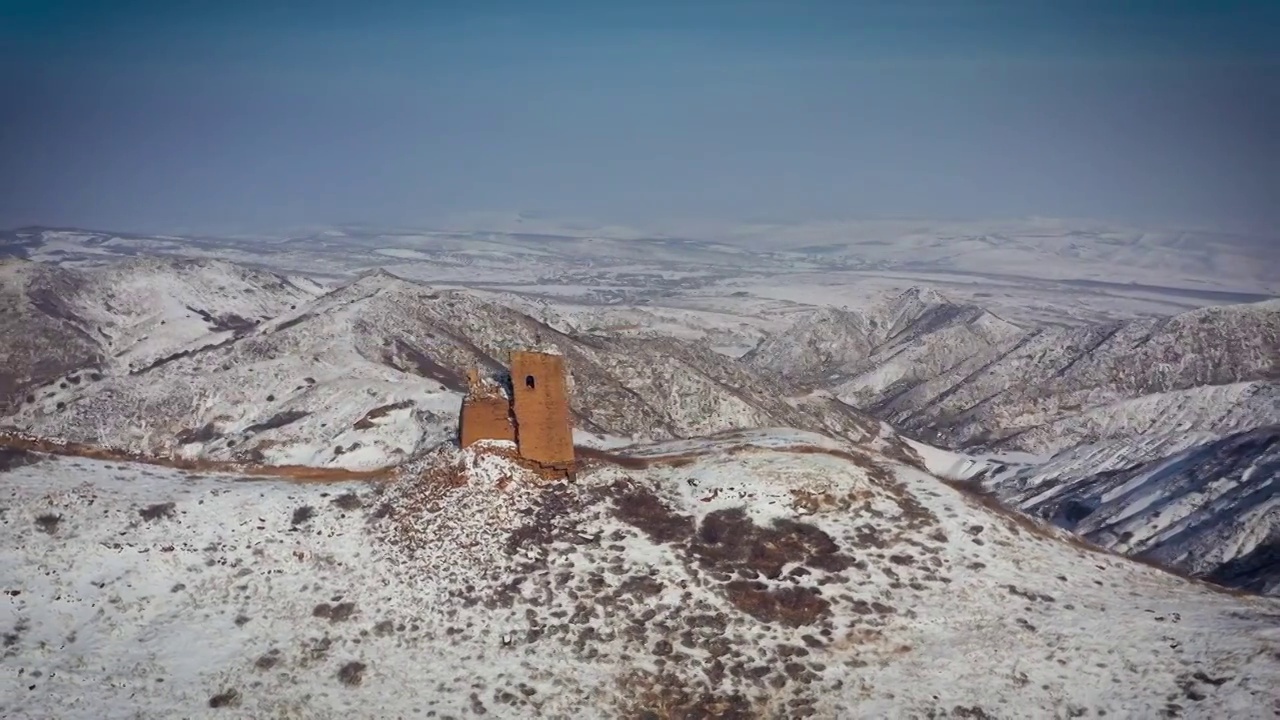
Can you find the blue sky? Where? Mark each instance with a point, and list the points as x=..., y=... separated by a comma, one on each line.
x=239, y=115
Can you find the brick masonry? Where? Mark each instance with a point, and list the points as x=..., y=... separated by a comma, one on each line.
x=486, y=417
x=534, y=412
x=544, y=429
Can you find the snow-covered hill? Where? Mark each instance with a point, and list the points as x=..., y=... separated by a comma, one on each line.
x=206, y=359
x=1209, y=509
x=964, y=378
x=868, y=354
x=1030, y=272
x=122, y=317
x=764, y=574
x=1143, y=436
x=372, y=373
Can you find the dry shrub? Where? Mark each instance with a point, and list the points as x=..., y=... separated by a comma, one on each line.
x=667, y=697
x=158, y=511
x=640, y=508
x=352, y=673
x=789, y=606
x=226, y=698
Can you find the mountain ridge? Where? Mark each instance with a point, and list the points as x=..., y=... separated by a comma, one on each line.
x=1008, y=384
x=293, y=388
x=1049, y=415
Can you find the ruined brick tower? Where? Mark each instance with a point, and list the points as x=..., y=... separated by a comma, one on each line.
x=535, y=414
x=544, y=433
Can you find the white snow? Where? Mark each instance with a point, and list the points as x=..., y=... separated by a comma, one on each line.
x=233, y=593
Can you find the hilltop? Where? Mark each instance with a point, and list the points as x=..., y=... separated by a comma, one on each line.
x=759, y=574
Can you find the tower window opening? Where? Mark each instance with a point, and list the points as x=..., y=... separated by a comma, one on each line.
x=528, y=381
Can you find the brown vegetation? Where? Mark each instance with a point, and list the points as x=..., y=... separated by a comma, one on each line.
x=730, y=545
x=667, y=697
x=728, y=540
x=789, y=606
x=640, y=508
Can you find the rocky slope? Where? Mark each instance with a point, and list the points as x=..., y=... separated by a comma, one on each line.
x=963, y=378
x=371, y=373
x=755, y=575
x=1148, y=436
x=122, y=317
x=1211, y=509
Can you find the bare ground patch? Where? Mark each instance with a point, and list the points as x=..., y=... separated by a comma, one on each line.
x=367, y=421
x=731, y=547
x=667, y=697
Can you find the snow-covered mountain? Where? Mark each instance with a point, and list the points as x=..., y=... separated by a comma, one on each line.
x=122, y=317
x=710, y=568
x=866, y=354
x=1148, y=436
x=964, y=378
x=1212, y=509
x=371, y=373
x=211, y=360
x=750, y=575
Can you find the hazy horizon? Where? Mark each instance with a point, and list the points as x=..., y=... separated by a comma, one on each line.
x=151, y=117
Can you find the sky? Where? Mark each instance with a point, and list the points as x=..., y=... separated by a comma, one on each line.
x=209, y=116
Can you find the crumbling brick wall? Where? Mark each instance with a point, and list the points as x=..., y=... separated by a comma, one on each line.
x=486, y=418
x=486, y=413
x=544, y=429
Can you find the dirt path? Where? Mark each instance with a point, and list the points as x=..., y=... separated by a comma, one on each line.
x=298, y=473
